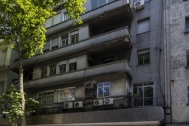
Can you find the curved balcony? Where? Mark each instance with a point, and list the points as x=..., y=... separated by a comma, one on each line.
x=119, y=66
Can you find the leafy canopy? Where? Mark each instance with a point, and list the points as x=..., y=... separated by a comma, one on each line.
x=22, y=22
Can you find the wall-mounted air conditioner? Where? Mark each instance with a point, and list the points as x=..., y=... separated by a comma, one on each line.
x=139, y=4
x=98, y=102
x=78, y=104
x=108, y=101
x=68, y=105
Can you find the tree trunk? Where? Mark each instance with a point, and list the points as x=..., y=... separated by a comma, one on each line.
x=21, y=87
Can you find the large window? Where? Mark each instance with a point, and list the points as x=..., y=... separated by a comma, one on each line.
x=44, y=71
x=1, y=87
x=187, y=24
x=143, y=26
x=46, y=97
x=52, y=69
x=72, y=66
x=64, y=40
x=62, y=68
x=145, y=91
x=67, y=94
x=143, y=57
x=103, y=89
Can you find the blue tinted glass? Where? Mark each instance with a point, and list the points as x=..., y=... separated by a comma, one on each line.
x=100, y=84
x=106, y=91
x=100, y=92
x=107, y=84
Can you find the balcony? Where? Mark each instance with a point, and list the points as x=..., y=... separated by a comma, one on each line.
x=119, y=66
x=103, y=10
x=82, y=45
x=146, y=116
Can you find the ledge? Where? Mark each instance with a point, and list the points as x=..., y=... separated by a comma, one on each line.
x=186, y=32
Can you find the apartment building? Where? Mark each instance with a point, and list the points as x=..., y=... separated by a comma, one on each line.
x=107, y=70
x=5, y=55
x=176, y=31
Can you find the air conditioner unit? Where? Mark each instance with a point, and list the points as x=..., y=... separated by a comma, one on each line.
x=78, y=104
x=89, y=86
x=139, y=4
x=68, y=105
x=98, y=102
x=108, y=101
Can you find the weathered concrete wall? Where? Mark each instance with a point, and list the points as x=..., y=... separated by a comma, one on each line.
x=177, y=46
x=122, y=115
x=152, y=40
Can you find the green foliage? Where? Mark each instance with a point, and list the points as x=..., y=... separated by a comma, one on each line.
x=75, y=9
x=22, y=22
x=13, y=101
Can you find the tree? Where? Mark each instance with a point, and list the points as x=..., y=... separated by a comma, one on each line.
x=22, y=28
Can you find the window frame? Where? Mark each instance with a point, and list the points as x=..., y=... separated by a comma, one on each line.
x=45, y=99
x=142, y=21
x=107, y=1
x=67, y=88
x=43, y=76
x=60, y=69
x=75, y=35
x=75, y=67
x=143, y=53
x=142, y=85
x=103, y=87
x=64, y=39
x=53, y=70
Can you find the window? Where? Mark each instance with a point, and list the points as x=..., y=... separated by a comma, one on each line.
x=62, y=68
x=98, y=3
x=46, y=46
x=1, y=88
x=52, y=69
x=187, y=59
x=64, y=40
x=74, y=38
x=143, y=57
x=55, y=42
x=108, y=59
x=72, y=66
x=57, y=18
x=143, y=26
x=146, y=0
x=67, y=94
x=103, y=89
x=145, y=92
x=187, y=24
x=44, y=71
x=46, y=97
x=65, y=16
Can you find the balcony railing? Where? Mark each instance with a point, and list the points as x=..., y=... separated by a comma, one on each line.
x=82, y=45
x=119, y=66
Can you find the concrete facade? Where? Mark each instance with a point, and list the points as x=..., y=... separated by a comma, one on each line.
x=176, y=68
x=114, y=58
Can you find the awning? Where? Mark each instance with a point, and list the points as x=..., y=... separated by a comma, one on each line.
x=142, y=123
